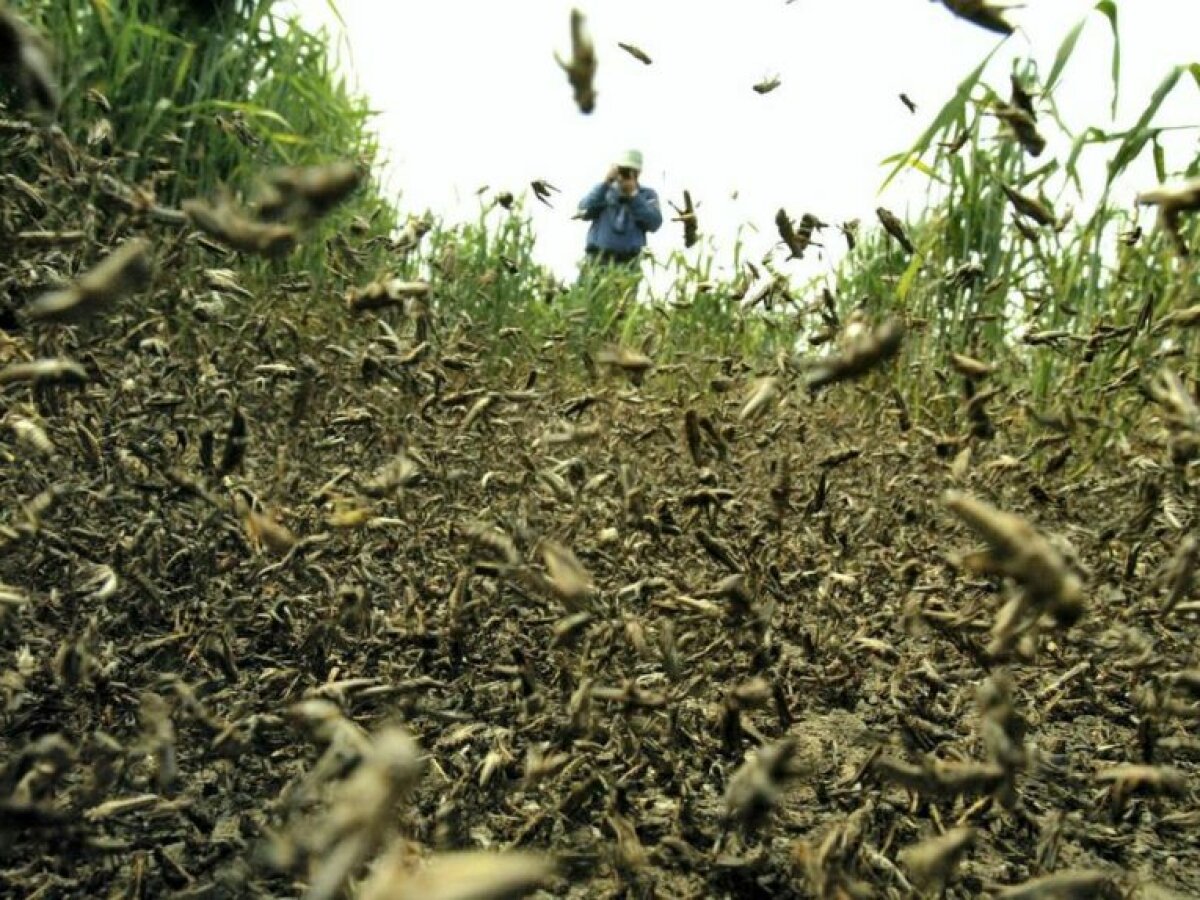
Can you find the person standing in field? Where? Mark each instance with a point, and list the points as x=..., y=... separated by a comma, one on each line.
x=622, y=212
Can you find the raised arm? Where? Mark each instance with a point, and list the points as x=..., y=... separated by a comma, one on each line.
x=644, y=206
x=595, y=200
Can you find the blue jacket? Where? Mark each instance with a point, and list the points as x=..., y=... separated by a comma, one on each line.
x=620, y=223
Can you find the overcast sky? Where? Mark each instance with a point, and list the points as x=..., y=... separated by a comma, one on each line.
x=469, y=94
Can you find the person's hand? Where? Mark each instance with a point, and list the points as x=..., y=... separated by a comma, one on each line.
x=611, y=177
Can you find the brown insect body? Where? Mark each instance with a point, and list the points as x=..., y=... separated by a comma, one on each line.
x=581, y=70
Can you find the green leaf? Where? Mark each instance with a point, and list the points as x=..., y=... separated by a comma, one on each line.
x=281, y=137
x=182, y=67
x=924, y=169
x=1160, y=163
x=906, y=280
x=337, y=13
x=104, y=16
x=251, y=109
x=1109, y=8
x=158, y=34
x=1141, y=131
x=1065, y=49
x=1089, y=136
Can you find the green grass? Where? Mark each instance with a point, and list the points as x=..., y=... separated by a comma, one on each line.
x=197, y=106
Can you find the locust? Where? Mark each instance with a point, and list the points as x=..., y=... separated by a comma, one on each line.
x=686, y=216
x=755, y=787
x=230, y=226
x=1180, y=574
x=44, y=371
x=568, y=578
x=1182, y=415
x=763, y=393
x=1188, y=317
x=235, y=445
x=122, y=272
x=935, y=777
x=1023, y=125
x=1172, y=200
x=581, y=70
x=461, y=875
x=265, y=532
x=306, y=193
x=1079, y=884
x=398, y=472
x=386, y=293
x=895, y=228
x=1017, y=551
x=361, y=808
x=850, y=233
x=797, y=239
x=862, y=354
x=987, y=14
x=1030, y=207
x=542, y=189
x=632, y=362
x=932, y=862
x=410, y=235
x=27, y=63
x=970, y=367
x=636, y=52
x=1126, y=780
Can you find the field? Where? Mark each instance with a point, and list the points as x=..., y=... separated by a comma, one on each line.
x=384, y=566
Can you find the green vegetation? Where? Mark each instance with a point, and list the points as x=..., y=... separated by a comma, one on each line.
x=1099, y=275
x=317, y=570
x=185, y=105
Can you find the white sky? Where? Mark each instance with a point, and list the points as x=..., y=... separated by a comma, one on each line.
x=469, y=94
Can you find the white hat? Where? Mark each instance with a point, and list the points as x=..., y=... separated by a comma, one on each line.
x=630, y=159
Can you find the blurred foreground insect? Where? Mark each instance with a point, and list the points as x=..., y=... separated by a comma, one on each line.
x=1171, y=200
x=25, y=63
x=463, y=875
x=306, y=193
x=44, y=371
x=224, y=222
x=862, y=353
x=987, y=14
x=581, y=70
x=123, y=271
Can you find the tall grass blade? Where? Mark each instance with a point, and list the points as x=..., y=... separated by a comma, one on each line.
x=954, y=111
x=1109, y=9
x=1141, y=132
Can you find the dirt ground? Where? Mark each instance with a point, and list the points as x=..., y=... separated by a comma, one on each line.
x=589, y=623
